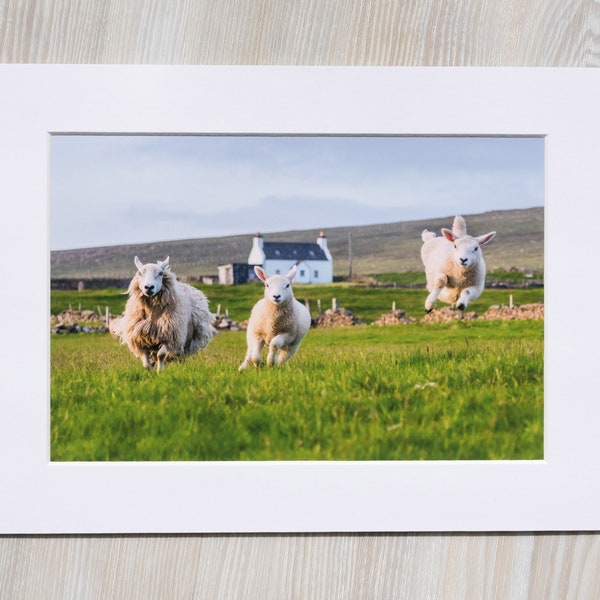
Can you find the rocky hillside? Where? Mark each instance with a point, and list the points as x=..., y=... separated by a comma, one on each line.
x=389, y=247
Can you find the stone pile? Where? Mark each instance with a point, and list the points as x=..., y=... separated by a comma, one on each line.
x=394, y=317
x=339, y=317
x=443, y=315
x=510, y=313
x=493, y=313
x=226, y=323
x=69, y=321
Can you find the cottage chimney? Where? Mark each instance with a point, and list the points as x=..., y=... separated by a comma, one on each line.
x=258, y=241
x=257, y=253
x=322, y=242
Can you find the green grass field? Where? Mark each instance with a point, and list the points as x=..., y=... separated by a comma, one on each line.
x=454, y=391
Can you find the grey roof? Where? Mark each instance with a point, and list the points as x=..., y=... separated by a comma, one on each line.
x=293, y=251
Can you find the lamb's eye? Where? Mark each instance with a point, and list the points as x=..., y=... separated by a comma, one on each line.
x=287, y=286
x=475, y=249
x=160, y=274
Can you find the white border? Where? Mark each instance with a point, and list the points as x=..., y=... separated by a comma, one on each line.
x=559, y=493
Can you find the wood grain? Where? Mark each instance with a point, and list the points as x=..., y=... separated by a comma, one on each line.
x=318, y=566
x=559, y=33
x=545, y=33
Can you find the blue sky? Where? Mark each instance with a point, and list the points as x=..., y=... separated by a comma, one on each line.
x=108, y=190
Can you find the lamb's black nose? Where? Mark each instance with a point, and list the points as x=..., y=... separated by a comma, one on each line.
x=463, y=261
x=149, y=288
x=277, y=297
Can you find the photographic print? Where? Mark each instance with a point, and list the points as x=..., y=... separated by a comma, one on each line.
x=389, y=341
x=281, y=299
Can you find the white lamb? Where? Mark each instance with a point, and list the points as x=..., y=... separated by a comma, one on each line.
x=277, y=320
x=164, y=318
x=454, y=265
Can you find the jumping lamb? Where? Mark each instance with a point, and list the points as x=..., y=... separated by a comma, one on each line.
x=277, y=320
x=164, y=318
x=454, y=265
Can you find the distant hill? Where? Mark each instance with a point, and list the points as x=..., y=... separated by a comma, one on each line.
x=389, y=247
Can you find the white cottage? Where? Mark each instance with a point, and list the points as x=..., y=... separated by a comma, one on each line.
x=315, y=264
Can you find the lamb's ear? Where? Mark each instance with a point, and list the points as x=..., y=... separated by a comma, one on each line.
x=448, y=234
x=164, y=264
x=138, y=263
x=484, y=239
x=260, y=273
x=292, y=272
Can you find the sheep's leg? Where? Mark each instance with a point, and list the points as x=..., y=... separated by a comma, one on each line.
x=286, y=353
x=253, y=355
x=439, y=283
x=279, y=350
x=469, y=294
x=160, y=358
x=247, y=362
x=148, y=364
x=282, y=356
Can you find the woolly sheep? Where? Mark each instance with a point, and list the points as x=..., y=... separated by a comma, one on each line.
x=277, y=320
x=164, y=318
x=454, y=265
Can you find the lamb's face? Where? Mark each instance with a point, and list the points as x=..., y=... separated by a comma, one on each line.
x=278, y=289
x=150, y=276
x=466, y=252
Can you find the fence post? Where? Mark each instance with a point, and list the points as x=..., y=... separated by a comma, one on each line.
x=334, y=304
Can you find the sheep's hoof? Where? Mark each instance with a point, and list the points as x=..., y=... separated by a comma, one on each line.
x=247, y=364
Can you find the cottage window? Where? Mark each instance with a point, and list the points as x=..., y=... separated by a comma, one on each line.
x=316, y=274
x=301, y=272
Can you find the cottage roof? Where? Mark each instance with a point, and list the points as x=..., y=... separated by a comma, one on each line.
x=293, y=251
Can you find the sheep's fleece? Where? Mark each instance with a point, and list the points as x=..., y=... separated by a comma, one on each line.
x=454, y=265
x=277, y=320
x=164, y=318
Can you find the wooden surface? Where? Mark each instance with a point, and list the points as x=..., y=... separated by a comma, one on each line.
x=303, y=32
